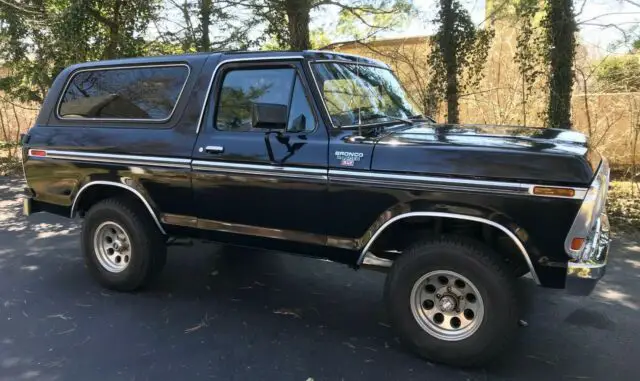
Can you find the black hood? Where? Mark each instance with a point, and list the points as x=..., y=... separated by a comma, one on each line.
x=538, y=155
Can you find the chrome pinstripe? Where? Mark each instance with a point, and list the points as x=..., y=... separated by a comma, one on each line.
x=421, y=181
x=377, y=179
x=117, y=158
x=263, y=170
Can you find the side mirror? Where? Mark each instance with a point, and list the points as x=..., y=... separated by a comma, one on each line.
x=268, y=115
x=298, y=124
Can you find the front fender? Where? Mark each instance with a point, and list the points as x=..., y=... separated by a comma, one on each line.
x=538, y=263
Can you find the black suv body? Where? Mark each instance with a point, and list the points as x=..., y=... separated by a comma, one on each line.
x=320, y=154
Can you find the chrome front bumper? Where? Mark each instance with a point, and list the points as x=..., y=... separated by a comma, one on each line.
x=584, y=273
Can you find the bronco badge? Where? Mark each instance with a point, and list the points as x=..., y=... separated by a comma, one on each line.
x=348, y=159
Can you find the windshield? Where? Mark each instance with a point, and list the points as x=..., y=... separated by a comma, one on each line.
x=359, y=94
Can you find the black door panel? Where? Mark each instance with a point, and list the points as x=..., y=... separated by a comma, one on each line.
x=258, y=181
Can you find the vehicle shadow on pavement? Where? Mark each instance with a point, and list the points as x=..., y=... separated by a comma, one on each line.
x=239, y=314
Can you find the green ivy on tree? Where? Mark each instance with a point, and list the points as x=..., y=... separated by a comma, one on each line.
x=560, y=29
x=529, y=47
x=458, y=53
x=39, y=38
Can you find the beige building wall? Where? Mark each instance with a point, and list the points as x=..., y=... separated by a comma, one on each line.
x=612, y=121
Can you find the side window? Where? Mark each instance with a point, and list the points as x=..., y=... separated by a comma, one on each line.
x=241, y=88
x=142, y=93
x=300, y=115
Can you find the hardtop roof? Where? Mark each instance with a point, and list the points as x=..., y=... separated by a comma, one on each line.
x=180, y=58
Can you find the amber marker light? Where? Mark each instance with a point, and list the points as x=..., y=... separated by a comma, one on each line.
x=576, y=243
x=552, y=191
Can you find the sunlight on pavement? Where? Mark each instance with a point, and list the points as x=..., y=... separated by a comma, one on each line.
x=617, y=296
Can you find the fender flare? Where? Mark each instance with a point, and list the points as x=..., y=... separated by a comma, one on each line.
x=364, y=255
x=120, y=185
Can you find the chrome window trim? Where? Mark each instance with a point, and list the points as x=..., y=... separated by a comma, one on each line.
x=380, y=63
x=324, y=104
x=106, y=68
x=231, y=60
x=510, y=234
x=351, y=63
x=124, y=186
x=326, y=109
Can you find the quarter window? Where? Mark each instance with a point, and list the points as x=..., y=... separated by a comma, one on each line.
x=300, y=115
x=142, y=93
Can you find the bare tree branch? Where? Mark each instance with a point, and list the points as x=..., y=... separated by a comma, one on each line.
x=607, y=14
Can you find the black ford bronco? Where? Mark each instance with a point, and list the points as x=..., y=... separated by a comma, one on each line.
x=324, y=155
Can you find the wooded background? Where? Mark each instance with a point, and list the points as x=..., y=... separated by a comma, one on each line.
x=523, y=64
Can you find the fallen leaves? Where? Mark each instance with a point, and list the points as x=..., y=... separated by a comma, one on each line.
x=287, y=312
x=59, y=316
x=348, y=344
x=203, y=323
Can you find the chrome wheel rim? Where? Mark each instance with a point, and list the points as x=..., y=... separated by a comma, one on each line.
x=112, y=247
x=447, y=305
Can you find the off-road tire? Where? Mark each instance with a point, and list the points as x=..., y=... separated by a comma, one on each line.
x=484, y=268
x=148, y=248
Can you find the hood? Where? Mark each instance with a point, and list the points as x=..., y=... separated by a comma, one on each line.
x=536, y=155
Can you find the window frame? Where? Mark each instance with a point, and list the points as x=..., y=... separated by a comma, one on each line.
x=257, y=64
x=125, y=67
x=332, y=126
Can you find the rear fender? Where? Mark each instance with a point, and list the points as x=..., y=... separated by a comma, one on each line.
x=124, y=183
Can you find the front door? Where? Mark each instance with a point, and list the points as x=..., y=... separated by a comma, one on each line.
x=255, y=182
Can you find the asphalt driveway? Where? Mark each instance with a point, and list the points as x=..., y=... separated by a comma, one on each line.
x=233, y=314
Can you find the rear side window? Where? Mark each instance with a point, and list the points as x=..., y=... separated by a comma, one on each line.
x=140, y=93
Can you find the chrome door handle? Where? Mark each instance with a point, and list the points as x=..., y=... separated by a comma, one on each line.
x=214, y=149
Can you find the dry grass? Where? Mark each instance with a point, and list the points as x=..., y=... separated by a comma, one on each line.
x=10, y=165
x=623, y=205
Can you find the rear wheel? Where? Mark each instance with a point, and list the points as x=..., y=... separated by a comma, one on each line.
x=452, y=301
x=123, y=248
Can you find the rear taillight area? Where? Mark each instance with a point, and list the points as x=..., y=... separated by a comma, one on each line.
x=591, y=211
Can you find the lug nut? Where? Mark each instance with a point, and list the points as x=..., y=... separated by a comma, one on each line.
x=449, y=288
x=438, y=296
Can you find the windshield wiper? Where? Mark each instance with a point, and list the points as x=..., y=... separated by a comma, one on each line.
x=421, y=117
x=377, y=116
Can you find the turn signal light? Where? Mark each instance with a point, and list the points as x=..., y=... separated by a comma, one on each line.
x=551, y=191
x=577, y=243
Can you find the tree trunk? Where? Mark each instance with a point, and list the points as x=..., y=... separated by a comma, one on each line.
x=111, y=51
x=298, y=18
x=448, y=49
x=205, y=23
x=561, y=38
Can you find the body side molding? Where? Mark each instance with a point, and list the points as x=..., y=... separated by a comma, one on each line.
x=127, y=187
x=516, y=240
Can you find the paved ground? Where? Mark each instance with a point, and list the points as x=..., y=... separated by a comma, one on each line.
x=230, y=314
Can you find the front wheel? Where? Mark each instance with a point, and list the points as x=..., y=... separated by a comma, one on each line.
x=452, y=301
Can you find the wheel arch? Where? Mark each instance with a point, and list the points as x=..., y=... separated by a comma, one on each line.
x=368, y=258
x=93, y=185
